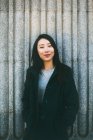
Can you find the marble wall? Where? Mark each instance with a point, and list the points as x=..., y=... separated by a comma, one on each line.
x=70, y=23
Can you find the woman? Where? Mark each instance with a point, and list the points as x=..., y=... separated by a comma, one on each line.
x=50, y=99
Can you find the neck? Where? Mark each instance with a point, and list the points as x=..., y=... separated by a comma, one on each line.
x=48, y=65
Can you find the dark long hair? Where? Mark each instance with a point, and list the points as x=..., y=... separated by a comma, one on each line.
x=36, y=60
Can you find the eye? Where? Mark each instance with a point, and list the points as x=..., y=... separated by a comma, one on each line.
x=49, y=45
x=41, y=47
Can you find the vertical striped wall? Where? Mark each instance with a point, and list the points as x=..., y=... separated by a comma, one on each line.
x=70, y=23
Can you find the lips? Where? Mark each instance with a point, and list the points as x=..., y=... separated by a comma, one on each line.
x=47, y=55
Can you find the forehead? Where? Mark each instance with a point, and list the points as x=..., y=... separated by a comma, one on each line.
x=43, y=41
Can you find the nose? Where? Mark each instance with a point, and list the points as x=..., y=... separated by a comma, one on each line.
x=46, y=49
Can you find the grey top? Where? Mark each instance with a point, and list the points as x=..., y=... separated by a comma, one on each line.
x=44, y=77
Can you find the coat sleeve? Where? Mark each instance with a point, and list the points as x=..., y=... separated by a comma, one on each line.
x=71, y=102
x=25, y=98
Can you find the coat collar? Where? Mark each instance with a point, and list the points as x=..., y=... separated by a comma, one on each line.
x=61, y=71
x=35, y=74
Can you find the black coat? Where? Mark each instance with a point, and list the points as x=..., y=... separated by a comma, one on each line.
x=59, y=106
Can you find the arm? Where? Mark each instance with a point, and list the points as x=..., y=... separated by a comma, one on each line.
x=71, y=102
x=25, y=98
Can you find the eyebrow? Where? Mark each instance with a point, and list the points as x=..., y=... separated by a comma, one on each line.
x=43, y=44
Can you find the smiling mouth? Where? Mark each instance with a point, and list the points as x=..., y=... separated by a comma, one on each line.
x=47, y=55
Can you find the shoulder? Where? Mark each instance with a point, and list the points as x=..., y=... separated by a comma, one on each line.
x=65, y=68
x=31, y=71
x=64, y=73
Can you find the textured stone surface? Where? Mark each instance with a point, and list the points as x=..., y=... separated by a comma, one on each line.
x=71, y=25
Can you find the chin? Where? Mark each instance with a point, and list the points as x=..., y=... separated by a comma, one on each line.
x=48, y=60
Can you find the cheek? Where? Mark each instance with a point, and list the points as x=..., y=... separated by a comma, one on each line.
x=39, y=51
x=52, y=51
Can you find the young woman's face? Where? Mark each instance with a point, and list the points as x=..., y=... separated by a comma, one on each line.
x=45, y=50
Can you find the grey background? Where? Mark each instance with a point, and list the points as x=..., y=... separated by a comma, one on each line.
x=70, y=23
